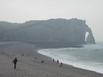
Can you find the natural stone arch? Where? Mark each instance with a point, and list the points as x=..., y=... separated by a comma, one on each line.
x=89, y=37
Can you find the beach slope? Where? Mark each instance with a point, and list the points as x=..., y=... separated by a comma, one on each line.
x=32, y=64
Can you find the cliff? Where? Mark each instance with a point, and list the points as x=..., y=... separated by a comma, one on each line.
x=48, y=33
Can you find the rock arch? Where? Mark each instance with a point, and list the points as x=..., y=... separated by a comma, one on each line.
x=89, y=38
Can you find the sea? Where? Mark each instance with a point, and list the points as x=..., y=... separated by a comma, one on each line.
x=89, y=57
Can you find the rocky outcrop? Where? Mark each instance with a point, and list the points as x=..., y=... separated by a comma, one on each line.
x=90, y=39
x=51, y=33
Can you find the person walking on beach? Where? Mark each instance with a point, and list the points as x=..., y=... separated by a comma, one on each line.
x=15, y=62
x=61, y=64
x=57, y=61
x=53, y=60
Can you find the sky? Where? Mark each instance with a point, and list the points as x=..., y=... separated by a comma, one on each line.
x=24, y=10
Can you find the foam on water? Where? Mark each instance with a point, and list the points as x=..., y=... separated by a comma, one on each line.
x=89, y=57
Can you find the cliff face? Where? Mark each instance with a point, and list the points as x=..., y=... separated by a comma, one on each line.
x=51, y=33
x=90, y=39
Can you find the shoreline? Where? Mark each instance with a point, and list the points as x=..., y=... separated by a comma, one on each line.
x=30, y=63
x=68, y=64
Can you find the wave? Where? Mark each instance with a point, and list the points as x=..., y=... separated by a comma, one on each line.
x=90, y=57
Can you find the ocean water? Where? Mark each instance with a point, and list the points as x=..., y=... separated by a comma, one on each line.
x=88, y=57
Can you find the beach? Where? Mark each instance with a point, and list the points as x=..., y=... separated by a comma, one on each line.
x=32, y=64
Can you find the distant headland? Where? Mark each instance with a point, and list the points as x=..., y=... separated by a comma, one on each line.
x=48, y=33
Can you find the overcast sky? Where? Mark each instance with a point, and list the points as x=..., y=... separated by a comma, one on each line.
x=24, y=10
